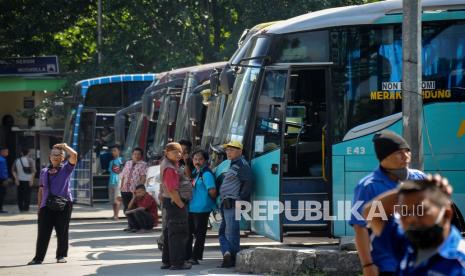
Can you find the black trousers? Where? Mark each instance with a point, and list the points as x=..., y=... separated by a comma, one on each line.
x=140, y=219
x=175, y=233
x=48, y=220
x=2, y=194
x=198, y=224
x=24, y=195
x=126, y=197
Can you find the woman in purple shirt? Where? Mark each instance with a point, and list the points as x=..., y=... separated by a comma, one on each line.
x=55, y=178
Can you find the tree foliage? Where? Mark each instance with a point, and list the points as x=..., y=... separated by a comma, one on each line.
x=138, y=35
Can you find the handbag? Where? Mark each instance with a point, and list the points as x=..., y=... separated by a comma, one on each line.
x=54, y=202
x=26, y=170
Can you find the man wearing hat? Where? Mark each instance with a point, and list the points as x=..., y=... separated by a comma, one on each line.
x=394, y=156
x=236, y=185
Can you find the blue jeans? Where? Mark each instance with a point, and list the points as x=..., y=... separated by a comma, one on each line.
x=229, y=232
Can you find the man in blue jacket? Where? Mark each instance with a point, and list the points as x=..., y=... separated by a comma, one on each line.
x=3, y=175
x=394, y=156
x=423, y=240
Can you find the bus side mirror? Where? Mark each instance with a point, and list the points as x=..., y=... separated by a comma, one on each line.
x=227, y=80
x=196, y=106
x=172, y=112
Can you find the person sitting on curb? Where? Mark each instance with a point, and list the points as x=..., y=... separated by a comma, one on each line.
x=142, y=212
x=424, y=241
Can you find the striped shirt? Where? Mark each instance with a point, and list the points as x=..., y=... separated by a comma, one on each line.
x=237, y=182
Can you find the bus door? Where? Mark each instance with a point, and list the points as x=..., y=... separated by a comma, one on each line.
x=304, y=184
x=266, y=153
x=82, y=178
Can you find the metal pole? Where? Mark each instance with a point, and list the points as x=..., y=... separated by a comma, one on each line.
x=99, y=32
x=412, y=101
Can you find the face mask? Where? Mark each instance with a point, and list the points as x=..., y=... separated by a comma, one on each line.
x=426, y=237
x=401, y=174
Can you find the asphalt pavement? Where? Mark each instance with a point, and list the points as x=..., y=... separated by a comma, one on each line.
x=99, y=246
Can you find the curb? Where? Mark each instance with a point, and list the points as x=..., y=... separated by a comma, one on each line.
x=277, y=261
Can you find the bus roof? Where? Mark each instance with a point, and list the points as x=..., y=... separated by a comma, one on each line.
x=116, y=79
x=181, y=72
x=354, y=15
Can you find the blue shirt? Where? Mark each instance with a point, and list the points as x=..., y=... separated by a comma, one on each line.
x=448, y=260
x=368, y=188
x=115, y=169
x=3, y=168
x=201, y=201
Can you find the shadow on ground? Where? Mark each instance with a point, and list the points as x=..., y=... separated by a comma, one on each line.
x=153, y=268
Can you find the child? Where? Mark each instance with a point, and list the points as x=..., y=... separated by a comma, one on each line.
x=113, y=187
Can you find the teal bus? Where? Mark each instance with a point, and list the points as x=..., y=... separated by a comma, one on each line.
x=89, y=128
x=312, y=90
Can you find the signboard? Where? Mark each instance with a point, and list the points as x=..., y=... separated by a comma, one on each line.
x=28, y=102
x=29, y=65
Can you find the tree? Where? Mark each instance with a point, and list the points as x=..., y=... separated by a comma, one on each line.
x=138, y=35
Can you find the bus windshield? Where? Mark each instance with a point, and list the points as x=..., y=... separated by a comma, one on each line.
x=214, y=113
x=162, y=124
x=237, y=112
x=182, y=119
x=134, y=131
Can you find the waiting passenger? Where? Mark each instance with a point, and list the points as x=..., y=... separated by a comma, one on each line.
x=142, y=211
x=133, y=174
x=175, y=228
x=202, y=203
x=423, y=240
x=114, y=193
x=55, y=203
x=394, y=156
x=236, y=185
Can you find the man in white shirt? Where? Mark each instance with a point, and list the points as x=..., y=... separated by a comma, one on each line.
x=23, y=173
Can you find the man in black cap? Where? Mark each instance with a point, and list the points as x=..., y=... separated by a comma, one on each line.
x=394, y=156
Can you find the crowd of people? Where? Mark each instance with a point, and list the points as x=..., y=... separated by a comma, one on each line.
x=420, y=235
x=189, y=192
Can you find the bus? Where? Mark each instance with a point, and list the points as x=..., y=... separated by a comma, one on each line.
x=89, y=129
x=169, y=120
x=216, y=101
x=181, y=114
x=311, y=92
x=132, y=129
